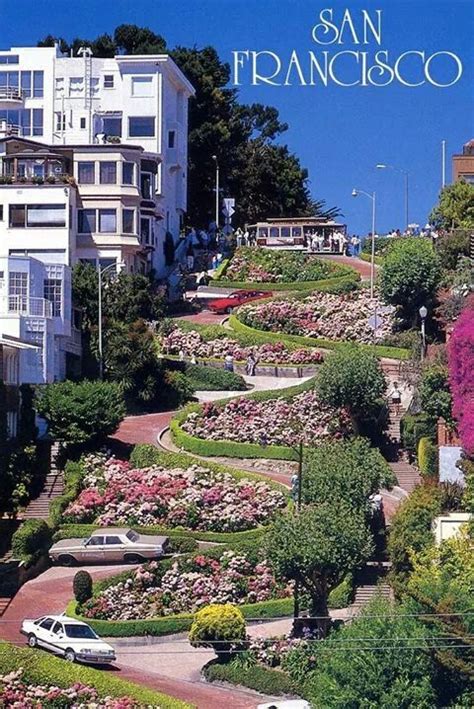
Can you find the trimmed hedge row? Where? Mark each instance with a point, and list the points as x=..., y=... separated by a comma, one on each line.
x=72, y=488
x=428, y=459
x=171, y=624
x=231, y=449
x=261, y=679
x=378, y=350
x=42, y=668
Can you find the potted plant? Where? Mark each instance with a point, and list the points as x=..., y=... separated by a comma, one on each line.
x=51, y=180
x=37, y=180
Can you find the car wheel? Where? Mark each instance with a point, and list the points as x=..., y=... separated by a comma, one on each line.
x=66, y=560
x=32, y=641
x=229, y=310
x=70, y=655
x=133, y=559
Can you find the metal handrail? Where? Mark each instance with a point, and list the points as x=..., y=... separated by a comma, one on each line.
x=24, y=305
x=10, y=92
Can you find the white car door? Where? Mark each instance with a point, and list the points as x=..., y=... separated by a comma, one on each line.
x=58, y=638
x=43, y=633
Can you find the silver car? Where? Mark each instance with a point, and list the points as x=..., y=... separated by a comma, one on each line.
x=118, y=544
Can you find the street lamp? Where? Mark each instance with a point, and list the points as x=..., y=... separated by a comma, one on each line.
x=214, y=157
x=383, y=166
x=101, y=272
x=356, y=193
x=423, y=313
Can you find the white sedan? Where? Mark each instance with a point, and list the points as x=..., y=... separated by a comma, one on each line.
x=71, y=638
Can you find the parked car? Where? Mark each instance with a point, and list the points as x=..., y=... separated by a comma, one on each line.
x=237, y=298
x=118, y=544
x=71, y=638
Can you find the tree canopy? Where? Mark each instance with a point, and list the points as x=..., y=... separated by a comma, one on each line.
x=455, y=208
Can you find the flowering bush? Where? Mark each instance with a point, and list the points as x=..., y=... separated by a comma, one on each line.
x=18, y=693
x=195, y=498
x=278, y=421
x=270, y=352
x=265, y=266
x=325, y=315
x=189, y=584
x=461, y=377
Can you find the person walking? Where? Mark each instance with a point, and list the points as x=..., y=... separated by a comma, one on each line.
x=251, y=364
x=395, y=396
x=229, y=362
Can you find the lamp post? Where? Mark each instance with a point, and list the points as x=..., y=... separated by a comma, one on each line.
x=214, y=157
x=101, y=272
x=356, y=193
x=423, y=313
x=383, y=166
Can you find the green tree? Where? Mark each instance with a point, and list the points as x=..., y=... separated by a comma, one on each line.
x=317, y=548
x=81, y=413
x=455, y=208
x=345, y=470
x=131, y=39
x=409, y=276
x=450, y=247
x=435, y=394
x=352, y=379
x=350, y=674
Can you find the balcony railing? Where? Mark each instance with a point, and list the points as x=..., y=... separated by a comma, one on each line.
x=10, y=93
x=23, y=305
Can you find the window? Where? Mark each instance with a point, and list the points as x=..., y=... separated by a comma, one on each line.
x=18, y=283
x=142, y=86
x=94, y=86
x=38, y=81
x=107, y=221
x=53, y=293
x=171, y=138
x=38, y=121
x=26, y=84
x=146, y=185
x=108, y=173
x=112, y=125
x=60, y=86
x=25, y=122
x=145, y=231
x=128, y=221
x=87, y=223
x=9, y=79
x=113, y=540
x=141, y=127
x=57, y=629
x=76, y=85
x=86, y=173
x=133, y=536
x=95, y=541
x=60, y=121
x=108, y=81
x=17, y=216
x=46, y=215
x=1, y=212
x=9, y=59
x=82, y=123
x=47, y=624
x=128, y=169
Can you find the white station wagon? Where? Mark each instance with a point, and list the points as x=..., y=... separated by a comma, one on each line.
x=71, y=638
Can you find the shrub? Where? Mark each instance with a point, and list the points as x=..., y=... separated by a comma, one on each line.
x=461, y=377
x=82, y=586
x=73, y=474
x=81, y=412
x=343, y=595
x=218, y=627
x=178, y=389
x=211, y=379
x=451, y=246
x=428, y=459
x=30, y=540
x=413, y=427
x=434, y=390
x=261, y=679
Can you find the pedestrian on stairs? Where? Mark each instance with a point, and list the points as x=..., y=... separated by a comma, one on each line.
x=396, y=397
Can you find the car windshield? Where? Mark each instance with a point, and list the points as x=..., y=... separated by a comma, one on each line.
x=133, y=536
x=79, y=631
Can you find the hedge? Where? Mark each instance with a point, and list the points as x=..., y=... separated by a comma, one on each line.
x=413, y=427
x=209, y=379
x=261, y=679
x=231, y=449
x=427, y=459
x=171, y=624
x=72, y=487
x=378, y=260
x=31, y=540
x=378, y=350
x=44, y=669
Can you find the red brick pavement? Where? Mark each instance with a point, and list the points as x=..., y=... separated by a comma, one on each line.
x=142, y=429
x=205, y=317
x=362, y=267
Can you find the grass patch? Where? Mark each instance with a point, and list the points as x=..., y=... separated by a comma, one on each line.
x=40, y=667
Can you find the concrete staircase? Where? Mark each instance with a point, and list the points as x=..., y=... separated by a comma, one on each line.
x=364, y=594
x=407, y=475
x=53, y=487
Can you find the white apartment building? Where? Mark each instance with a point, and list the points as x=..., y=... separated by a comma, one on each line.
x=127, y=102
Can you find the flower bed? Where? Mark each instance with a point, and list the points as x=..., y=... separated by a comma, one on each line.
x=325, y=315
x=267, y=266
x=192, y=342
x=114, y=492
x=278, y=421
x=184, y=586
x=16, y=692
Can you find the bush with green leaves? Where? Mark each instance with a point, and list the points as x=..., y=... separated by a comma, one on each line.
x=428, y=459
x=409, y=277
x=435, y=394
x=413, y=427
x=82, y=586
x=455, y=208
x=211, y=379
x=219, y=627
x=399, y=676
x=345, y=470
x=81, y=412
x=31, y=540
x=261, y=679
x=451, y=246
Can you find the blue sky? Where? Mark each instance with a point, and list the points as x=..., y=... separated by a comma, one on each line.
x=339, y=133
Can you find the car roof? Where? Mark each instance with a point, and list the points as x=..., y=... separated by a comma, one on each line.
x=63, y=619
x=110, y=530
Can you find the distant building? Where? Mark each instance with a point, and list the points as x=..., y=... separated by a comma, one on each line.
x=463, y=164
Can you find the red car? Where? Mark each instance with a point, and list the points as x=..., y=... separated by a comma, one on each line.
x=234, y=300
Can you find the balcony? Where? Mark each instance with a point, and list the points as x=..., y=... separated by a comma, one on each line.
x=23, y=305
x=10, y=97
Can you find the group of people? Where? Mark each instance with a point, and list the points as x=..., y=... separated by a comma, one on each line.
x=245, y=238
x=337, y=242
x=250, y=366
